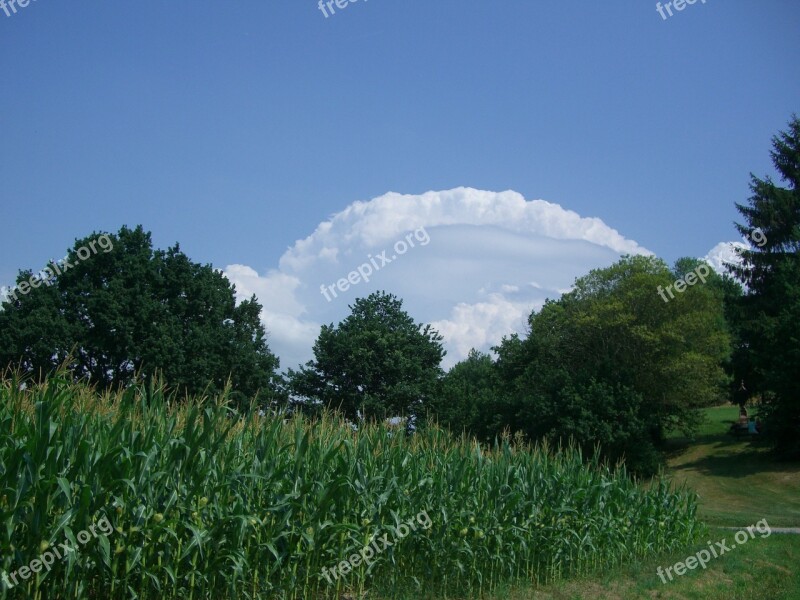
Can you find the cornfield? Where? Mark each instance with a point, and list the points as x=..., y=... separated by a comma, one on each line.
x=205, y=503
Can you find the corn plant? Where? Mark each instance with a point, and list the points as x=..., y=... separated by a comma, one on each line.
x=209, y=503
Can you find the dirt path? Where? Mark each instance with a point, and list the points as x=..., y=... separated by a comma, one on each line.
x=794, y=530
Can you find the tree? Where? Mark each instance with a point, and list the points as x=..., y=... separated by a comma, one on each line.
x=612, y=363
x=377, y=363
x=769, y=354
x=132, y=310
x=469, y=398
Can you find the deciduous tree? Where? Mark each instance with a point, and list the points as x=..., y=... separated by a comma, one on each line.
x=377, y=363
x=135, y=310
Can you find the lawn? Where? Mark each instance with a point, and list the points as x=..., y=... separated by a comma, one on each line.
x=761, y=569
x=737, y=481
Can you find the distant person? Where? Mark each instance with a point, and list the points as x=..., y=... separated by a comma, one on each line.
x=740, y=397
x=751, y=427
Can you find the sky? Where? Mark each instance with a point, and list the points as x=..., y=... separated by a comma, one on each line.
x=531, y=141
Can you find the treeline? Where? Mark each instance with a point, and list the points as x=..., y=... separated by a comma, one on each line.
x=607, y=364
x=622, y=359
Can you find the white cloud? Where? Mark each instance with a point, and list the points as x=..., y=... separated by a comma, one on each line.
x=483, y=324
x=288, y=333
x=724, y=253
x=490, y=259
x=275, y=290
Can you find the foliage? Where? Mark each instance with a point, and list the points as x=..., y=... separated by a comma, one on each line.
x=133, y=310
x=205, y=504
x=375, y=364
x=469, y=398
x=769, y=353
x=611, y=363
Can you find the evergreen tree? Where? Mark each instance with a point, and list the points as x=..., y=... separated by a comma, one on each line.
x=768, y=358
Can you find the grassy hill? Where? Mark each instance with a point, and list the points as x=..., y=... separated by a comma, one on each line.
x=735, y=478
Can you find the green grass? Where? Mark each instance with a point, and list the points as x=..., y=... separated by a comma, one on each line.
x=738, y=484
x=736, y=479
x=761, y=569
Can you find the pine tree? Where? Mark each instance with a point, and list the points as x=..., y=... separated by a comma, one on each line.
x=771, y=307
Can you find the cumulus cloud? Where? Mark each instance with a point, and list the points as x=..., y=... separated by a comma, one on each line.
x=483, y=324
x=290, y=333
x=490, y=258
x=724, y=253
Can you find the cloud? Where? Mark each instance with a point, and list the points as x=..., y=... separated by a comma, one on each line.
x=490, y=258
x=724, y=253
x=483, y=324
x=289, y=334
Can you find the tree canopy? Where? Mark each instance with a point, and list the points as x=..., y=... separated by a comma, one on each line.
x=133, y=309
x=469, y=398
x=608, y=363
x=376, y=363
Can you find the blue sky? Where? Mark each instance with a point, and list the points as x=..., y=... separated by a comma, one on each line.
x=237, y=128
